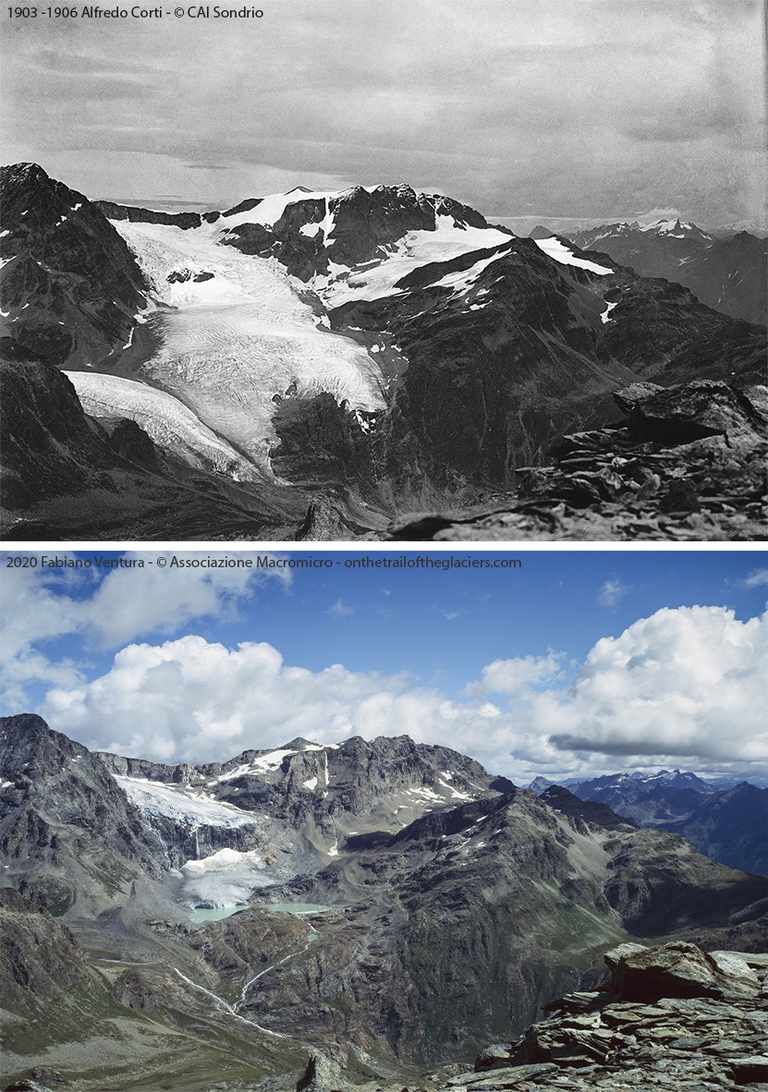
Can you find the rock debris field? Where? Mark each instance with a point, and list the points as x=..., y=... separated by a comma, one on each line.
x=671, y=1017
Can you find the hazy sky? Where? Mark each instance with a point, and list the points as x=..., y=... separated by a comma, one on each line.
x=577, y=663
x=568, y=108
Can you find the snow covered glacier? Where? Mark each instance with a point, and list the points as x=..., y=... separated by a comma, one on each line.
x=232, y=334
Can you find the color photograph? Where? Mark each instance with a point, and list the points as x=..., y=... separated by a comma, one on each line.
x=345, y=820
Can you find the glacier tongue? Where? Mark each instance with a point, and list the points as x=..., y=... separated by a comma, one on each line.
x=164, y=418
x=225, y=878
x=158, y=798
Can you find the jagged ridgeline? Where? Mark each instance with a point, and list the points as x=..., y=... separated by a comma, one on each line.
x=387, y=905
x=331, y=365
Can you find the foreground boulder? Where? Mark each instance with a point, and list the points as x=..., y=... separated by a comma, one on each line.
x=321, y=1075
x=678, y=970
x=687, y=463
x=672, y=1016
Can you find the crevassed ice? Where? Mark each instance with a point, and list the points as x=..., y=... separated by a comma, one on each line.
x=238, y=339
x=157, y=798
x=166, y=420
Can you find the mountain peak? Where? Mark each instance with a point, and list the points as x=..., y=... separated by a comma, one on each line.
x=26, y=172
x=300, y=744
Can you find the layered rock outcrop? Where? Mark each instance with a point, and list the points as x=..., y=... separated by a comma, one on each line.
x=687, y=463
x=670, y=1017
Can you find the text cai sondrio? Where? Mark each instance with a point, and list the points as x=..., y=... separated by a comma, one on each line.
x=208, y=12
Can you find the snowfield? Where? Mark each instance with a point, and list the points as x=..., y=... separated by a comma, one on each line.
x=560, y=252
x=157, y=798
x=270, y=209
x=415, y=249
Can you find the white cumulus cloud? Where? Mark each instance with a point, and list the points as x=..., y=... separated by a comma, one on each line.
x=515, y=676
x=689, y=682
x=194, y=700
x=105, y=611
x=684, y=686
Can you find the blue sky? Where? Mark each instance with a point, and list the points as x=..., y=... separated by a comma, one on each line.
x=575, y=662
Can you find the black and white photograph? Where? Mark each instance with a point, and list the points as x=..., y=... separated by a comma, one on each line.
x=363, y=822
x=384, y=270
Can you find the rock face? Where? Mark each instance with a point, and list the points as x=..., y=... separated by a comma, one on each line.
x=728, y=274
x=671, y=1017
x=321, y=1075
x=678, y=970
x=67, y=831
x=184, y=220
x=71, y=286
x=587, y=810
x=687, y=464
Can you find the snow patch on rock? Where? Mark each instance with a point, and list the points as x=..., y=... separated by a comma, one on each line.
x=557, y=250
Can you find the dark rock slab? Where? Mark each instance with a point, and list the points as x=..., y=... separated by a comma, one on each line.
x=677, y=970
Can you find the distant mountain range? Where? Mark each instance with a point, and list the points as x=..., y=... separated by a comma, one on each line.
x=727, y=823
x=388, y=903
x=318, y=365
x=728, y=273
